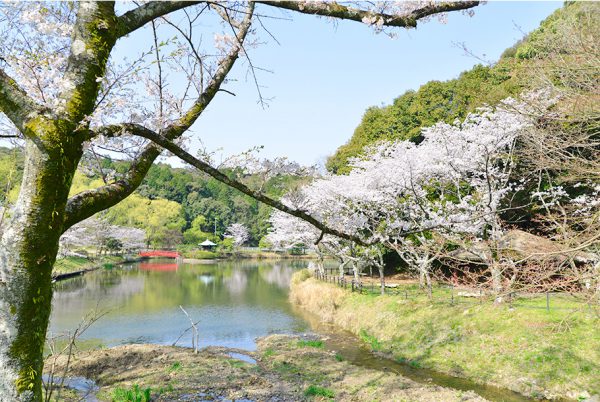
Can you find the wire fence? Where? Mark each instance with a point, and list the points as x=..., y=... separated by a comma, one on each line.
x=460, y=295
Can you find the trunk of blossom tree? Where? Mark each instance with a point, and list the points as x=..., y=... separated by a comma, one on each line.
x=597, y=279
x=425, y=276
x=320, y=258
x=497, y=278
x=382, y=278
x=28, y=249
x=496, y=273
x=342, y=268
x=381, y=268
x=355, y=271
x=494, y=261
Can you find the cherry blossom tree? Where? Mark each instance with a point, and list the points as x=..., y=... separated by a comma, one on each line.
x=93, y=232
x=65, y=90
x=452, y=184
x=238, y=232
x=416, y=198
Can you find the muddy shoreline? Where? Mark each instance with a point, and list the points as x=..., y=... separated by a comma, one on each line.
x=283, y=368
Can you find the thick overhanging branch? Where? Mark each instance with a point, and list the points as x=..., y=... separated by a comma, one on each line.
x=91, y=43
x=15, y=103
x=87, y=203
x=140, y=16
x=181, y=125
x=223, y=178
x=336, y=10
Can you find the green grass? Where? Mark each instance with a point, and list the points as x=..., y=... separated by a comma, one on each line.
x=200, y=254
x=310, y=343
x=370, y=340
x=524, y=347
x=70, y=264
x=174, y=367
x=134, y=394
x=315, y=390
x=73, y=264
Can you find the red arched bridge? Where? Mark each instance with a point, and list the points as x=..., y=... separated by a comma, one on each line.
x=159, y=253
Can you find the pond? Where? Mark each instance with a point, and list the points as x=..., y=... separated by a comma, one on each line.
x=234, y=302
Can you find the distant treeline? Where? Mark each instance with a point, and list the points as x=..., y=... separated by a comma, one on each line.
x=173, y=205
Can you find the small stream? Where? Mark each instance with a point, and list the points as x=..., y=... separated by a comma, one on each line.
x=235, y=302
x=354, y=351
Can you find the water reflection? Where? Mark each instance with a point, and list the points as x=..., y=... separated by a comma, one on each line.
x=153, y=266
x=236, y=283
x=277, y=274
x=235, y=302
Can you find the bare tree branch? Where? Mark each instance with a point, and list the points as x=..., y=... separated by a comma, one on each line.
x=336, y=10
x=176, y=129
x=87, y=203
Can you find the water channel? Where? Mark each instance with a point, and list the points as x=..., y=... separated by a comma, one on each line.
x=235, y=302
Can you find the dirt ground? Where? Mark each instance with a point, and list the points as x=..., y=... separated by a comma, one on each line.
x=287, y=368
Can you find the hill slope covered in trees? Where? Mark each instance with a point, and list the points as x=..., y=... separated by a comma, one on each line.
x=453, y=99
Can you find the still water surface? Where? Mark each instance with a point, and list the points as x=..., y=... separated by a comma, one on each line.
x=235, y=302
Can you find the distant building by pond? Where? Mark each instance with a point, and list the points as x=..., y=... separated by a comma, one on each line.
x=207, y=245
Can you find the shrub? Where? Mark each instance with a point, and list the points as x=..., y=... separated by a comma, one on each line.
x=300, y=276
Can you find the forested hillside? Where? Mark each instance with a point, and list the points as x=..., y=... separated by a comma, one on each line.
x=173, y=205
x=453, y=99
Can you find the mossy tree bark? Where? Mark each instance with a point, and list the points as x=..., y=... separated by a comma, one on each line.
x=29, y=236
x=28, y=249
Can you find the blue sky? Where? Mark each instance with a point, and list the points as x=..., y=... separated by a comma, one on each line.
x=325, y=75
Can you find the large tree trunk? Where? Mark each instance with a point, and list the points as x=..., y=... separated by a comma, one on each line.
x=28, y=248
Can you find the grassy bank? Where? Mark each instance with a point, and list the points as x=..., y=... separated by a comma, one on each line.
x=68, y=265
x=539, y=353
x=191, y=252
x=288, y=368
